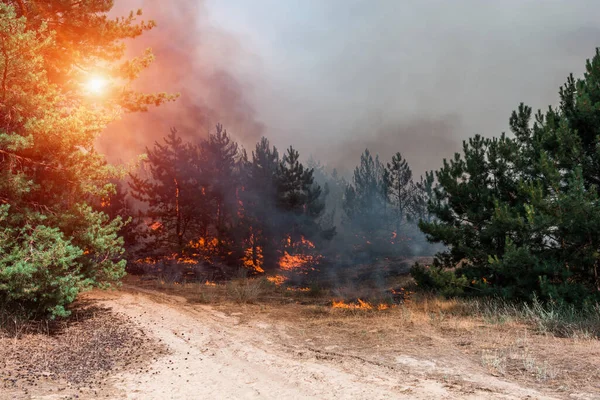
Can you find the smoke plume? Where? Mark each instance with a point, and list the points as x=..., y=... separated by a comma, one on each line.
x=193, y=58
x=333, y=77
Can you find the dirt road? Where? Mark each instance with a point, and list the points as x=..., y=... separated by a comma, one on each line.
x=215, y=356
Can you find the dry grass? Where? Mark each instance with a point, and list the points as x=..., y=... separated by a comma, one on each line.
x=456, y=334
x=244, y=290
x=548, y=348
x=240, y=290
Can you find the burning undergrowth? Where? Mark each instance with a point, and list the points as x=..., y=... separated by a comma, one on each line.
x=361, y=305
x=201, y=261
x=302, y=274
x=212, y=212
x=219, y=226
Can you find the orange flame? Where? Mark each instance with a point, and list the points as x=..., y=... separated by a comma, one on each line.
x=302, y=289
x=362, y=305
x=295, y=256
x=155, y=226
x=253, y=256
x=288, y=262
x=277, y=279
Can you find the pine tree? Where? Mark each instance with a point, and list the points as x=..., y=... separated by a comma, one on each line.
x=173, y=193
x=424, y=194
x=366, y=202
x=469, y=189
x=53, y=243
x=523, y=214
x=220, y=167
x=333, y=192
x=337, y=185
x=299, y=200
x=401, y=190
x=258, y=199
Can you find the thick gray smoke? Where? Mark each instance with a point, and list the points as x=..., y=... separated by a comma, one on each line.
x=193, y=58
x=332, y=77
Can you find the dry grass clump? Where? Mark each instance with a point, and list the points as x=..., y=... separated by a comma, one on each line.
x=15, y=323
x=559, y=320
x=564, y=320
x=519, y=358
x=247, y=290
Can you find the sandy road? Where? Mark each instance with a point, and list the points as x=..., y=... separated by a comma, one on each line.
x=214, y=356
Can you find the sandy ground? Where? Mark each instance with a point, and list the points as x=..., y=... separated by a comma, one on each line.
x=212, y=355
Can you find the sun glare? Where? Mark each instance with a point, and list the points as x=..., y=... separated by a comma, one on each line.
x=96, y=85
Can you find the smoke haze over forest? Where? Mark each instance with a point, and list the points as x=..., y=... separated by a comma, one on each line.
x=333, y=77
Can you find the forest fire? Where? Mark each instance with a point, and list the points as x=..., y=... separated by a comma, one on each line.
x=300, y=289
x=277, y=279
x=289, y=262
x=360, y=305
x=253, y=259
x=295, y=257
x=203, y=249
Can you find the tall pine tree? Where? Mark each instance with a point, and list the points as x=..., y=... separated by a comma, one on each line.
x=366, y=203
x=522, y=214
x=53, y=243
x=299, y=199
x=221, y=171
x=172, y=193
x=258, y=197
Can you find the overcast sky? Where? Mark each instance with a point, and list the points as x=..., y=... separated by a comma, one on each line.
x=332, y=77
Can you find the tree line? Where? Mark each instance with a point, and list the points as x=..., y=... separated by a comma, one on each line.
x=209, y=200
x=520, y=214
x=516, y=216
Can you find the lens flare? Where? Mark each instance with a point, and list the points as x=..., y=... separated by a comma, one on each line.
x=96, y=85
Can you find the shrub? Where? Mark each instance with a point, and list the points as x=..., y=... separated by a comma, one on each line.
x=247, y=290
x=436, y=279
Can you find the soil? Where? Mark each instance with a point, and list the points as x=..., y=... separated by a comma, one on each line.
x=232, y=351
x=74, y=357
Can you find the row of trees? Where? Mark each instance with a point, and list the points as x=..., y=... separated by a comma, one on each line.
x=61, y=229
x=517, y=215
x=522, y=214
x=212, y=200
x=382, y=205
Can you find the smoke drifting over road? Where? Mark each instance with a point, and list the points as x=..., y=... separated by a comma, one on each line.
x=333, y=77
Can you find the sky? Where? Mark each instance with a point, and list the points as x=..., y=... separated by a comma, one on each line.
x=333, y=77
